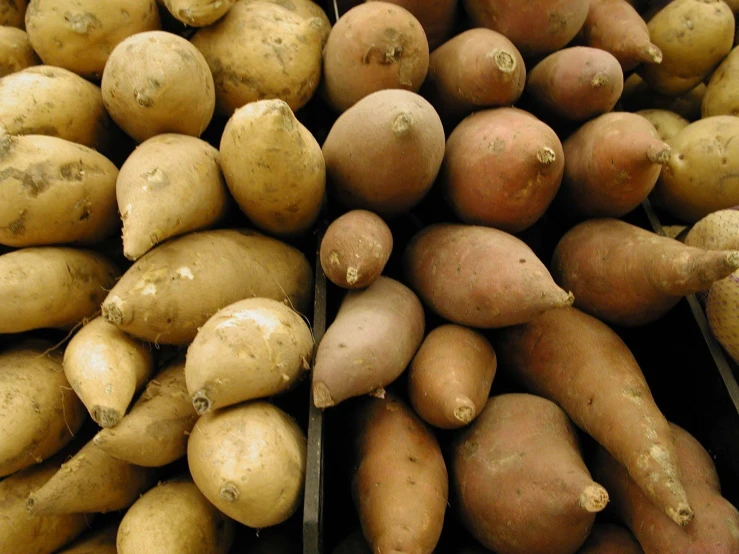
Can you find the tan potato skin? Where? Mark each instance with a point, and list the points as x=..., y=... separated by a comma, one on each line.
x=719, y=230
x=721, y=312
x=374, y=46
x=665, y=122
x=198, y=13
x=274, y=167
x=355, y=249
x=690, y=52
x=576, y=83
x=169, y=186
x=370, y=342
x=158, y=82
x=536, y=27
x=606, y=538
x=16, y=52
x=638, y=96
x=260, y=50
x=450, y=376
x=174, y=518
x=437, y=17
x=306, y=9
x=384, y=153
x=97, y=542
x=81, y=36
x=715, y=529
x=254, y=348
x=502, y=168
x=517, y=474
x=51, y=286
x=479, y=276
x=722, y=93
x=400, y=482
x=172, y=291
x=265, y=487
x=37, y=534
x=154, y=433
x=13, y=12
x=39, y=414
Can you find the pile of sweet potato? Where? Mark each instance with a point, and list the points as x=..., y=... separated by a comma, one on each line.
x=173, y=173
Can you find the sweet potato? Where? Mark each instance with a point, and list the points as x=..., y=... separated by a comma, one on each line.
x=16, y=52
x=400, y=483
x=273, y=167
x=437, y=17
x=722, y=92
x=37, y=534
x=249, y=461
x=629, y=276
x=39, y=413
x=666, y=123
x=106, y=368
x=172, y=290
x=154, y=433
x=384, y=153
x=12, y=13
x=260, y=50
x=616, y=27
x=254, y=348
x=101, y=541
x=576, y=83
x=305, y=9
x=638, y=96
x=355, y=249
x=90, y=481
x=536, y=27
x=702, y=175
x=612, y=163
x=606, y=538
x=372, y=47
x=174, y=518
x=450, y=376
x=517, y=474
x=480, y=277
x=370, y=342
x=198, y=13
x=478, y=68
x=81, y=36
x=169, y=186
x=694, y=36
x=715, y=529
x=578, y=362
x=51, y=286
x=502, y=168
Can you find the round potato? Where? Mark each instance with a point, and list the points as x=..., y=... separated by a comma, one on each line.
x=198, y=13
x=666, y=122
x=16, y=52
x=13, y=12
x=80, y=35
x=307, y=9
x=722, y=93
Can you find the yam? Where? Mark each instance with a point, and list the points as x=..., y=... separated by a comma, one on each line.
x=437, y=17
x=517, y=474
x=479, y=276
x=169, y=186
x=370, y=342
x=607, y=538
x=666, y=123
x=172, y=290
x=16, y=52
x=101, y=541
x=722, y=92
x=198, y=13
x=13, y=12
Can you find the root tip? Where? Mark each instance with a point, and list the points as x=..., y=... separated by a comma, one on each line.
x=659, y=153
x=465, y=411
x=683, y=515
x=322, y=396
x=105, y=417
x=201, y=402
x=402, y=124
x=546, y=156
x=594, y=498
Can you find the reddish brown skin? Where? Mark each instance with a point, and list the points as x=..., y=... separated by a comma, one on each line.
x=517, y=475
x=629, y=276
x=578, y=362
x=715, y=529
x=479, y=276
x=502, y=168
x=536, y=27
x=606, y=538
x=437, y=17
x=478, y=68
x=576, y=83
x=400, y=485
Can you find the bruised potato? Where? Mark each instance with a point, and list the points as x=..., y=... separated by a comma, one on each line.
x=16, y=52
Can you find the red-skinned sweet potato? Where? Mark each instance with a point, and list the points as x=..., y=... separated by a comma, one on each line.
x=437, y=17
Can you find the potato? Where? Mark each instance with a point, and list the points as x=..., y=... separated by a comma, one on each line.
x=306, y=9
x=154, y=433
x=259, y=51
x=13, y=12
x=722, y=93
x=254, y=348
x=450, y=376
x=372, y=47
x=502, y=168
x=80, y=36
x=438, y=18
x=606, y=538
x=249, y=461
x=39, y=413
x=719, y=230
x=721, y=304
x=169, y=186
x=198, y=13
x=156, y=83
x=174, y=518
x=666, y=123
x=172, y=291
x=274, y=167
x=702, y=175
x=638, y=96
x=101, y=541
x=694, y=36
x=53, y=101
x=384, y=153
x=16, y=52
x=54, y=192
x=51, y=287
x=355, y=248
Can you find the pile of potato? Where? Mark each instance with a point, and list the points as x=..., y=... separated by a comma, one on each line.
x=164, y=168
